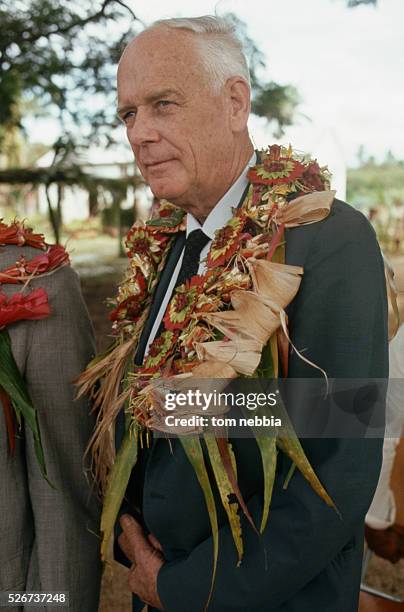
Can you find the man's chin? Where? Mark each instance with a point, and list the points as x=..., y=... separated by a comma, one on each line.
x=165, y=191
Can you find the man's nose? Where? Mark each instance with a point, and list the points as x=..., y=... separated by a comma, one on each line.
x=143, y=130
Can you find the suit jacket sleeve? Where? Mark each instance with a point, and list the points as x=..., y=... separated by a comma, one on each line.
x=340, y=317
x=55, y=351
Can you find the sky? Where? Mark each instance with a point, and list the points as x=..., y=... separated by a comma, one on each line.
x=347, y=64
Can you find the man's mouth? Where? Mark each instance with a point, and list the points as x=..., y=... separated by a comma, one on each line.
x=156, y=164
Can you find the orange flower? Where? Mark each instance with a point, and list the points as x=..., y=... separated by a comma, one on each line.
x=131, y=306
x=226, y=241
x=275, y=172
x=140, y=241
x=159, y=351
x=183, y=304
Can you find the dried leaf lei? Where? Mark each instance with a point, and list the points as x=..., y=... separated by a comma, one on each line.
x=23, y=305
x=206, y=317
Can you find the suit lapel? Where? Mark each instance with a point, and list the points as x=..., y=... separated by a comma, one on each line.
x=159, y=294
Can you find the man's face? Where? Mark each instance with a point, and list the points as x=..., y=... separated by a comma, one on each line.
x=178, y=128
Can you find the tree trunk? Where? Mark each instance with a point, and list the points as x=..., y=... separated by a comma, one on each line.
x=54, y=217
x=59, y=207
x=119, y=195
x=92, y=202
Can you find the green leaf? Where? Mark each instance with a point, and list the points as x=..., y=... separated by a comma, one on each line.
x=268, y=452
x=226, y=491
x=289, y=475
x=15, y=387
x=118, y=479
x=266, y=368
x=193, y=450
x=289, y=443
x=173, y=220
x=267, y=448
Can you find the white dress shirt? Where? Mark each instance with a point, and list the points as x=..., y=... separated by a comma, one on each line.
x=217, y=218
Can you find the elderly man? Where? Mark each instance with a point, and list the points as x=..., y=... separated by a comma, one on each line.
x=184, y=97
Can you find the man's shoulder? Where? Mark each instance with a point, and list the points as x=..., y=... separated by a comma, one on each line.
x=64, y=278
x=344, y=215
x=344, y=220
x=10, y=253
x=344, y=225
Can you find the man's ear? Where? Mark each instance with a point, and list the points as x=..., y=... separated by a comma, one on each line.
x=239, y=96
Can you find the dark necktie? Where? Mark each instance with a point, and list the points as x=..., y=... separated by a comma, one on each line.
x=194, y=244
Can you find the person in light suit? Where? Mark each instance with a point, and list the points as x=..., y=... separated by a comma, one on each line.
x=184, y=97
x=47, y=535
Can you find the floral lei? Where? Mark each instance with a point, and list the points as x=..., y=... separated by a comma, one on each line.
x=254, y=232
x=23, y=305
x=227, y=322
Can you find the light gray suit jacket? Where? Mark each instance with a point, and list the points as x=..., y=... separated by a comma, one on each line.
x=47, y=536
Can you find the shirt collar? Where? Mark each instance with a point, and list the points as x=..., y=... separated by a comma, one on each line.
x=222, y=212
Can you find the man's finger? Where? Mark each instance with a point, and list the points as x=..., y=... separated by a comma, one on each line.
x=154, y=542
x=138, y=543
x=131, y=527
x=126, y=547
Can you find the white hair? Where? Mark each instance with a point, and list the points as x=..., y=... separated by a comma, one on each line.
x=220, y=48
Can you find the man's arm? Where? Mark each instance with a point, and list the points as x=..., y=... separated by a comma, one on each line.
x=66, y=555
x=302, y=537
x=340, y=317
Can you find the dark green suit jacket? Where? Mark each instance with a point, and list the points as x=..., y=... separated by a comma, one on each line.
x=308, y=559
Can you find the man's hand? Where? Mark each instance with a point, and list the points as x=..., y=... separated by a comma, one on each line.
x=147, y=559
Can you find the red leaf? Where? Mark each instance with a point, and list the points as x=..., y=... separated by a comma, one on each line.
x=24, y=307
x=55, y=257
x=283, y=350
x=18, y=234
x=9, y=418
x=275, y=241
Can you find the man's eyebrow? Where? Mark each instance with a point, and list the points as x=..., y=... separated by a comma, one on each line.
x=123, y=108
x=149, y=99
x=161, y=94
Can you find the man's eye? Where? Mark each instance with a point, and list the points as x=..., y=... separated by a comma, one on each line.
x=127, y=116
x=163, y=103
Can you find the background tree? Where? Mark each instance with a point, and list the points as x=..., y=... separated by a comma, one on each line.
x=58, y=58
x=61, y=54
